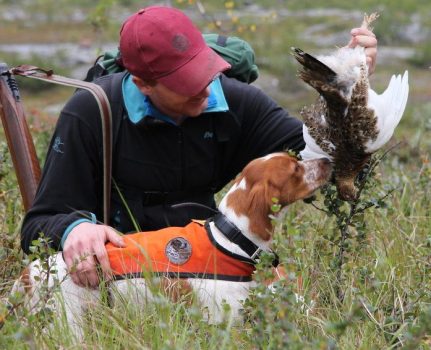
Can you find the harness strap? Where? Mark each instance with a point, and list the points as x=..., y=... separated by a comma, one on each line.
x=105, y=115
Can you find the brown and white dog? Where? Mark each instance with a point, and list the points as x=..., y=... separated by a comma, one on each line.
x=217, y=272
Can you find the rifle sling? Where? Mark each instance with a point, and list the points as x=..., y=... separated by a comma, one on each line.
x=105, y=115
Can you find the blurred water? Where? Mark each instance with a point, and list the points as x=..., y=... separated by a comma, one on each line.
x=76, y=57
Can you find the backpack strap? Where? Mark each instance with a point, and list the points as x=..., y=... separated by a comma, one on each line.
x=221, y=40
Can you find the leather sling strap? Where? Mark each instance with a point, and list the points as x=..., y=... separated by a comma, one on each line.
x=105, y=114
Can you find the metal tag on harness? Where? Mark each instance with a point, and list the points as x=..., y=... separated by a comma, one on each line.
x=178, y=250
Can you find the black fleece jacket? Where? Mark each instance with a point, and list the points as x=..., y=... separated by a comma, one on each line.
x=155, y=164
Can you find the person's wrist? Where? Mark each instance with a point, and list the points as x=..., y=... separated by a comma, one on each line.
x=69, y=228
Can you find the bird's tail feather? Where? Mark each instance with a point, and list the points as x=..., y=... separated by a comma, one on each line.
x=313, y=68
x=320, y=77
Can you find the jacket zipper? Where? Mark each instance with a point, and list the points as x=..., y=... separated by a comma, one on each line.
x=181, y=157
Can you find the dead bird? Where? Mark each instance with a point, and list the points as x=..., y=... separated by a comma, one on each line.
x=349, y=121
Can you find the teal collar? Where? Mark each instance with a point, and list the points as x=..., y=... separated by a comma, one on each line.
x=139, y=106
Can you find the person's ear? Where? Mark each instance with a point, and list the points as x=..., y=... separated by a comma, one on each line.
x=145, y=87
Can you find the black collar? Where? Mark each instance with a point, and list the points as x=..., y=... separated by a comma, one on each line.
x=234, y=234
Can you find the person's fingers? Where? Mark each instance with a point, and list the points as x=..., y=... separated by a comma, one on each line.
x=101, y=254
x=86, y=272
x=371, y=51
x=113, y=237
x=82, y=269
x=371, y=57
x=84, y=249
x=362, y=31
x=362, y=40
x=102, y=257
x=367, y=39
x=71, y=264
x=72, y=268
x=68, y=260
x=371, y=54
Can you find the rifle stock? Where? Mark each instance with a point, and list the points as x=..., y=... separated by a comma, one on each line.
x=19, y=139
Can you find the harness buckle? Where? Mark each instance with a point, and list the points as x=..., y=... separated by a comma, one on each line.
x=258, y=251
x=256, y=254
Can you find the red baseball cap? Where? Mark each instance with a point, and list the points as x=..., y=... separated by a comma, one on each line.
x=162, y=43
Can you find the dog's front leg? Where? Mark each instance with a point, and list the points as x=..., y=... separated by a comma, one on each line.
x=74, y=300
x=47, y=285
x=221, y=300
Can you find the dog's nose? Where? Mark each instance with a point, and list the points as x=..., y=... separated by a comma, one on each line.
x=326, y=165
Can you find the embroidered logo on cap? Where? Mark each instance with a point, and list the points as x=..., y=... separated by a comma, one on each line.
x=178, y=250
x=180, y=42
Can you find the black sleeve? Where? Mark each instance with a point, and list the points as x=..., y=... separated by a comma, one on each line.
x=265, y=127
x=70, y=183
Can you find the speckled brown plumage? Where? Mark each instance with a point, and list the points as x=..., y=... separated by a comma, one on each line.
x=341, y=123
x=347, y=125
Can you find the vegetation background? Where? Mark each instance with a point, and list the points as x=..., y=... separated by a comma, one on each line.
x=377, y=297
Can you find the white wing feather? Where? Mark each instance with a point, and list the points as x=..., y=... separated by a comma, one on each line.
x=389, y=108
x=311, y=150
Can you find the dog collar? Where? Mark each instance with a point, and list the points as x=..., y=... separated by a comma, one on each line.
x=234, y=234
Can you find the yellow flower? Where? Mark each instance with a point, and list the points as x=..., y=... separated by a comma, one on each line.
x=229, y=4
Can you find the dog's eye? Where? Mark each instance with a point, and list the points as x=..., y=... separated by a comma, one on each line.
x=297, y=167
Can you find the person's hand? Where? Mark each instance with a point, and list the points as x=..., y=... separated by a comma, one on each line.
x=365, y=38
x=84, y=249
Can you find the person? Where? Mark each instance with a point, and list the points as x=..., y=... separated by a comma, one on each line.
x=186, y=130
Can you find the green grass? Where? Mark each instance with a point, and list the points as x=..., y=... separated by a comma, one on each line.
x=378, y=298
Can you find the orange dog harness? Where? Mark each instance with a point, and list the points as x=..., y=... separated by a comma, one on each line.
x=182, y=252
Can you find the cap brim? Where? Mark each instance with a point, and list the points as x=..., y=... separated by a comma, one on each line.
x=195, y=75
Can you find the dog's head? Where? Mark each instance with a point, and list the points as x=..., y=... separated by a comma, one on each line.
x=282, y=176
x=276, y=176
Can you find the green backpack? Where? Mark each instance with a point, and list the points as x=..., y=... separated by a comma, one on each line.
x=232, y=49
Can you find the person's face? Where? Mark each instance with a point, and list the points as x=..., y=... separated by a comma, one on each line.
x=173, y=104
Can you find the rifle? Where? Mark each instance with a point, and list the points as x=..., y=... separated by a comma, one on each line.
x=19, y=139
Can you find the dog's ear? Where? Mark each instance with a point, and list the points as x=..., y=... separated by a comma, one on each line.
x=260, y=200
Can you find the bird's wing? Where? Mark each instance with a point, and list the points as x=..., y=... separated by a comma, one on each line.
x=388, y=108
x=311, y=150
